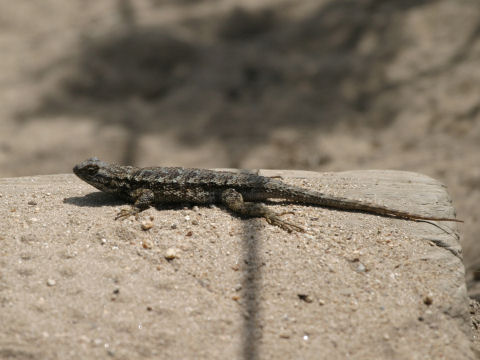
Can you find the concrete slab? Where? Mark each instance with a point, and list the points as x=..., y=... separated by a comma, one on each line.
x=197, y=282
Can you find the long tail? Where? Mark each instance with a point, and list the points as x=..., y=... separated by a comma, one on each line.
x=300, y=195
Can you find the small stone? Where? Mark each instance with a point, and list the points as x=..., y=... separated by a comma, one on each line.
x=146, y=225
x=195, y=208
x=146, y=244
x=361, y=267
x=428, y=300
x=51, y=282
x=284, y=335
x=194, y=222
x=190, y=233
x=32, y=202
x=171, y=253
x=187, y=218
x=305, y=297
x=173, y=226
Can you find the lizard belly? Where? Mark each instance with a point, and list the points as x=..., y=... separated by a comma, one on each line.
x=192, y=195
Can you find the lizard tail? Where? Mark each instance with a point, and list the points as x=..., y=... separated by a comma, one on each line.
x=300, y=195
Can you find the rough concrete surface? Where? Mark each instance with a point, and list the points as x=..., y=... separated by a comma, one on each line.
x=75, y=283
x=323, y=85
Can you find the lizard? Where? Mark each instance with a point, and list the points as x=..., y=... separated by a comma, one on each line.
x=240, y=193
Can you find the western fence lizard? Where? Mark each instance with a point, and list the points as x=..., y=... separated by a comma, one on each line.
x=241, y=193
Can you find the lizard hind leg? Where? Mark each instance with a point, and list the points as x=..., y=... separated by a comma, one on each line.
x=234, y=201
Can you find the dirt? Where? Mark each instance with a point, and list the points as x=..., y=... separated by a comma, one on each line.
x=197, y=282
x=317, y=85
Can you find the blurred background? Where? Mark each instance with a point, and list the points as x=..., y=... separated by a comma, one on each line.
x=323, y=85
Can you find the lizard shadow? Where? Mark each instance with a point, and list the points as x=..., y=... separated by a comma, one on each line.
x=94, y=199
x=100, y=199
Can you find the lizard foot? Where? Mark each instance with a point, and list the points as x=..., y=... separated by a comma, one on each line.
x=274, y=219
x=125, y=213
x=234, y=201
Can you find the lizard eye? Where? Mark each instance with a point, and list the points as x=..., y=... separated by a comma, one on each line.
x=92, y=169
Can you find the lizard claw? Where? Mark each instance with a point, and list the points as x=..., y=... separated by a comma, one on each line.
x=273, y=219
x=125, y=213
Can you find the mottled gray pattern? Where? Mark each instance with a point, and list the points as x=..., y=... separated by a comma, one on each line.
x=239, y=192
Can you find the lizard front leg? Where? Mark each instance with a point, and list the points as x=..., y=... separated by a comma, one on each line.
x=143, y=199
x=234, y=201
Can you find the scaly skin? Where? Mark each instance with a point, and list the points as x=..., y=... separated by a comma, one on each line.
x=241, y=193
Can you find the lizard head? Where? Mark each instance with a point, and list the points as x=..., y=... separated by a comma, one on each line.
x=103, y=176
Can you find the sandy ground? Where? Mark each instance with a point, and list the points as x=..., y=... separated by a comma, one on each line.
x=319, y=85
x=197, y=282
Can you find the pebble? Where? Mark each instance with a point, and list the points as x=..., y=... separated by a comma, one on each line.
x=195, y=208
x=428, y=300
x=146, y=225
x=171, y=253
x=32, y=202
x=51, y=282
x=194, y=222
x=361, y=267
x=305, y=297
x=146, y=244
x=173, y=226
